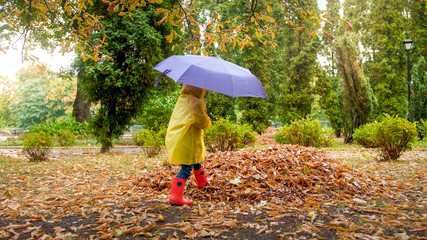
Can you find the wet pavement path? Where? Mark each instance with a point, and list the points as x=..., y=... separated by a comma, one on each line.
x=64, y=153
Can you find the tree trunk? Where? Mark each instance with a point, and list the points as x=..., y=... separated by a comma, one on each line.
x=107, y=144
x=81, y=107
x=105, y=148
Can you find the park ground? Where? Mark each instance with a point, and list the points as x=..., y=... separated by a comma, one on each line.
x=268, y=191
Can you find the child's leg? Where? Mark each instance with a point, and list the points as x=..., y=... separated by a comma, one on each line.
x=185, y=172
x=200, y=175
x=178, y=186
x=197, y=166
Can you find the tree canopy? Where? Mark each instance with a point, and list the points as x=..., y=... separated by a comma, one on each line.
x=70, y=23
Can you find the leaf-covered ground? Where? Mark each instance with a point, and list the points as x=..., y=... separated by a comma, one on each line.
x=278, y=192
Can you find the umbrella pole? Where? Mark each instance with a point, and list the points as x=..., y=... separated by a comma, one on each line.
x=207, y=98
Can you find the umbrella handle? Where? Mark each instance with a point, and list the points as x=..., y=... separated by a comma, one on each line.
x=158, y=79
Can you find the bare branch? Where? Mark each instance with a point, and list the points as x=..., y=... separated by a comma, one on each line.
x=27, y=28
x=305, y=10
x=54, y=16
x=186, y=19
x=254, y=5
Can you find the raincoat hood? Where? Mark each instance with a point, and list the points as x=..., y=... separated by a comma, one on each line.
x=195, y=91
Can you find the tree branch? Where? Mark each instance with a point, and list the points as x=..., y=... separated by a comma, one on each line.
x=305, y=10
x=27, y=28
x=54, y=16
x=186, y=19
x=253, y=8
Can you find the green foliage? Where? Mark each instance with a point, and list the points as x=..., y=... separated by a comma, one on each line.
x=63, y=131
x=331, y=101
x=227, y=136
x=158, y=109
x=14, y=141
x=394, y=136
x=303, y=132
x=356, y=91
x=418, y=105
x=37, y=146
x=221, y=106
x=2, y=122
x=366, y=135
x=256, y=112
x=422, y=128
x=382, y=25
x=31, y=107
x=417, y=30
x=333, y=9
x=40, y=97
x=119, y=83
x=7, y=118
x=294, y=67
x=139, y=136
x=69, y=123
x=65, y=137
x=296, y=96
x=286, y=71
x=151, y=141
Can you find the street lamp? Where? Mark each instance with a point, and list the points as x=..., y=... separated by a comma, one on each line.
x=408, y=45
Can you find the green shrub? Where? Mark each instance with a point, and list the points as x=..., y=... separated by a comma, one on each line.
x=151, y=141
x=69, y=123
x=13, y=141
x=139, y=136
x=158, y=109
x=394, y=136
x=365, y=135
x=65, y=137
x=422, y=128
x=227, y=136
x=303, y=132
x=124, y=141
x=37, y=146
x=256, y=112
x=2, y=123
x=63, y=131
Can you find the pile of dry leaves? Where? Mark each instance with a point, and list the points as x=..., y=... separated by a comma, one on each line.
x=279, y=174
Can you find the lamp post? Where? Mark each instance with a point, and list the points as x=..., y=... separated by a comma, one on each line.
x=408, y=45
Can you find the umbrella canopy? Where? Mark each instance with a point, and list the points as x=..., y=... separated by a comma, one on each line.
x=211, y=73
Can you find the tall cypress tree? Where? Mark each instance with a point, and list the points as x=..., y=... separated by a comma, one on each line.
x=357, y=94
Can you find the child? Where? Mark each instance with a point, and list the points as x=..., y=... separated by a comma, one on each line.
x=184, y=141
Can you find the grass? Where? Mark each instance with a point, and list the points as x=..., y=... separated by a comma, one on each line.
x=421, y=144
x=338, y=144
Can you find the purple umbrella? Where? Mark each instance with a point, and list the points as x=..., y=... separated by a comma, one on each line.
x=211, y=73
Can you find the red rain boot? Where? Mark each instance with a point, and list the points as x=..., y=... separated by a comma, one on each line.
x=177, y=193
x=201, y=177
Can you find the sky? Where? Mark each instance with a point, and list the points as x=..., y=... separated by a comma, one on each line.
x=11, y=63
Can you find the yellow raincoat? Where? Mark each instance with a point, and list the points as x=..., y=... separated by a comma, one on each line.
x=184, y=138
